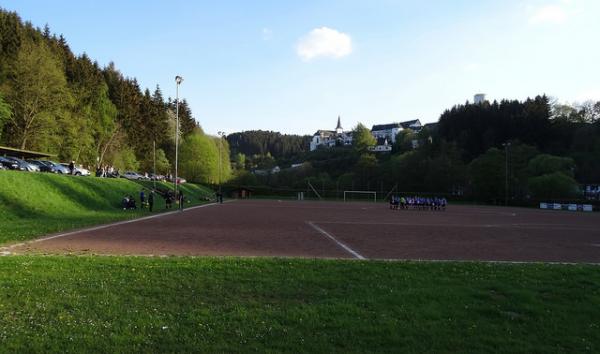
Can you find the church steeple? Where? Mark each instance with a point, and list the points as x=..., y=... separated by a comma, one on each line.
x=339, y=128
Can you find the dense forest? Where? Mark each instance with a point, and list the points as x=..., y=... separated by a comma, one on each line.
x=264, y=149
x=509, y=151
x=54, y=101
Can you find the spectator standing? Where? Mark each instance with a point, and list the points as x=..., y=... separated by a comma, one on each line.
x=72, y=167
x=142, y=198
x=150, y=200
x=180, y=200
x=168, y=200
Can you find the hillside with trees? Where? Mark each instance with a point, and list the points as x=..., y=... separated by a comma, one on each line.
x=54, y=101
x=521, y=151
x=265, y=149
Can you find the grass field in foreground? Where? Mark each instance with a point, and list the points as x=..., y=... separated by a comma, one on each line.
x=34, y=204
x=150, y=305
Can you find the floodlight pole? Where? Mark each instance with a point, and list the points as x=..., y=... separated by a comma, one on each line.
x=178, y=80
x=221, y=135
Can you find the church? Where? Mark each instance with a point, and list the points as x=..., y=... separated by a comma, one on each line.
x=330, y=138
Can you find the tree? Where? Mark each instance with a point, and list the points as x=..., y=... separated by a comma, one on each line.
x=105, y=125
x=547, y=164
x=362, y=138
x=162, y=164
x=38, y=95
x=404, y=141
x=487, y=175
x=365, y=167
x=408, y=170
x=590, y=111
x=553, y=186
x=5, y=114
x=258, y=142
x=125, y=160
x=240, y=161
x=199, y=158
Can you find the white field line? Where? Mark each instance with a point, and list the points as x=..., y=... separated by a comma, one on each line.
x=419, y=260
x=6, y=249
x=341, y=244
x=517, y=226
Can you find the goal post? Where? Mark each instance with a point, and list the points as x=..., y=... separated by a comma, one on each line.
x=348, y=194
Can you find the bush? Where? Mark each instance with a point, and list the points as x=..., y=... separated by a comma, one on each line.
x=555, y=186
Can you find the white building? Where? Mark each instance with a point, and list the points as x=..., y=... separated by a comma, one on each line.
x=381, y=147
x=479, y=98
x=330, y=138
x=390, y=131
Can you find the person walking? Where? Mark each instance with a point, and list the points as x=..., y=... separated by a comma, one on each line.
x=72, y=167
x=142, y=198
x=150, y=201
x=181, y=200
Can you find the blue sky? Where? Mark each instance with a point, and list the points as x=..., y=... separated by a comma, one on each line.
x=294, y=66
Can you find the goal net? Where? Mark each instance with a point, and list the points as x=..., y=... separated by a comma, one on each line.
x=360, y=195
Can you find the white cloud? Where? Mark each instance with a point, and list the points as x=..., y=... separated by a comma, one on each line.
x=554, y=14
x=324, y=42
x=267, y=34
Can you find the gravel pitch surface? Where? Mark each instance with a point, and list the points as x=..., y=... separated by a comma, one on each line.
x=345, y=230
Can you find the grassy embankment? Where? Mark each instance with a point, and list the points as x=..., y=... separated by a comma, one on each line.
x=153, y=305
x=34, y=204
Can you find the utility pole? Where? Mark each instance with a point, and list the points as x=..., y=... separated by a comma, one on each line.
x=221, y=135
x=178, y=81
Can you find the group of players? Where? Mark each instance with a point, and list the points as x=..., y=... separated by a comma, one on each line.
x=419, y=203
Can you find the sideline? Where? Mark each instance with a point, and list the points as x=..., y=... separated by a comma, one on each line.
x=497, y=226
x=342, y=245
x=5, y=251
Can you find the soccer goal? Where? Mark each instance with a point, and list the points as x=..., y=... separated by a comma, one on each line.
x=360, y=195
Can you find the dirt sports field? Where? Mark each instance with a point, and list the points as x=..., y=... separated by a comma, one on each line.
x=344, y=230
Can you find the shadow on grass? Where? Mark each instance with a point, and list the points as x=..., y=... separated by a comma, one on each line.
x=18, y=208
x=89, y=195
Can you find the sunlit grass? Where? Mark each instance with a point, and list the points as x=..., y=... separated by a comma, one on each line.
x=152, y=305
x=34, y=204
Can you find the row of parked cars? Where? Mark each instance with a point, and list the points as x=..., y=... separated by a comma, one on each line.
x=14, y=163
x=150, y=177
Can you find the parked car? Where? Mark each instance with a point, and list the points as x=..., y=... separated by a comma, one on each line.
x=132, y=175
x=79, y=170
x=180, y=180
x=42, y=166
x=24, y=165
x=154, y=177
x=58, y=168
x=8, y=164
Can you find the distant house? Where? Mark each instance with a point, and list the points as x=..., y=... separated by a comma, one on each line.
x=390, y=131
x=382, y=146
x=330, y=138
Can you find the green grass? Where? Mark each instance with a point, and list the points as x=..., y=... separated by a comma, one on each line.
x=151, y=305
x=34, y=204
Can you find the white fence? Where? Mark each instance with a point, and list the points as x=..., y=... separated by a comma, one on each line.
x=569, y=207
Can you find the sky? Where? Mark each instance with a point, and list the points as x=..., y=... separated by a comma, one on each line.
x=294, y=66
